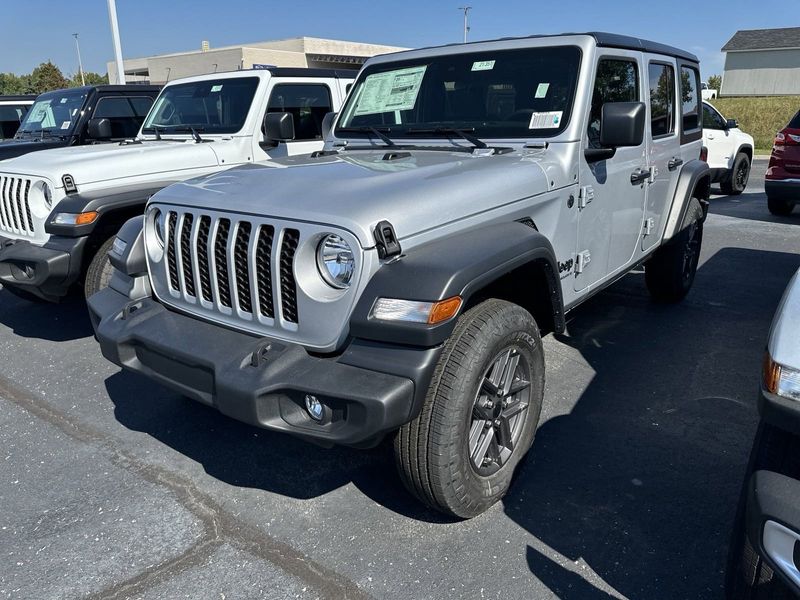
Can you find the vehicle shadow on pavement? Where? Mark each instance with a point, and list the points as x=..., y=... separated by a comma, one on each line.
x=62, y=322
x=640, y=480
x=247, y=456
x=751, y=206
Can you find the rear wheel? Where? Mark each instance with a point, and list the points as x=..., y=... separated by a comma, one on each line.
x=98, y=275
x=480, y=414
x=736, y=181
x=748, y=577
x=779, y=206
x=670, y=272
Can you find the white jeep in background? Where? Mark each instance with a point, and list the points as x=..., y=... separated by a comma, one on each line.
x=60, y=209
x=730, y=151
x=707, y=92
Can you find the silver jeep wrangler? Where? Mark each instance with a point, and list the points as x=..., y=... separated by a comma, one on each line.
x=399, y=281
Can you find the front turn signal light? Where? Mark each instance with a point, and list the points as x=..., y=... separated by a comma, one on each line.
x=444, y=310
x=84, y=218
x=414, y=311
x=780, y=380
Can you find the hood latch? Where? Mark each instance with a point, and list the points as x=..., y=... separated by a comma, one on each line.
x=386, y=240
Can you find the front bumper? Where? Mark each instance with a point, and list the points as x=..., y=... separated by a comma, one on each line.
x=45, y=271
x=264, y=381
x=783, y=189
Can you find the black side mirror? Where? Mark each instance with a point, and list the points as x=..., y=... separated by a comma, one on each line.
x=99, y=129
x=279, y=127
x=327, y=124
x=621, y=126
x=731, y=124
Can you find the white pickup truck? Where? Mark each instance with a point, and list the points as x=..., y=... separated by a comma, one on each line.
x=60, y=209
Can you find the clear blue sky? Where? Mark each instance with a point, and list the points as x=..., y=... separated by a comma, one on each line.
x=37, y=30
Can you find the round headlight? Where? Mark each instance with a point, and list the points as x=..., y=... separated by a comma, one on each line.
x=335, y=261
x=48, y=195
x=158, y=226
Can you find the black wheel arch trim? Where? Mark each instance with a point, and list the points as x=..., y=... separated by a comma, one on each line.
x=107, y=203
x=462, y=264
x=694, y=181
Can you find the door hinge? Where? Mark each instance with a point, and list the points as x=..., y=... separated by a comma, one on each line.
x=649, y=225
x=583, y=259
x=585, y=196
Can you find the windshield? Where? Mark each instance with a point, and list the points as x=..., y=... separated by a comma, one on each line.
x=54, y=112
x=212, y=106
x=498, y=94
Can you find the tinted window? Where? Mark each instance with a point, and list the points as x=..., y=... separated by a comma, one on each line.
x=690, y=98
x=308, y=104
x=126, y=114
x=617, y=80
x=213, y=106
x=662, y=99
x=10, y=118
x=496, y=94
x=795, y=122
x=712, y=119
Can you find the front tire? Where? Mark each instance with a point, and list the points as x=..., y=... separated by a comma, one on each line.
x=480, y=414
x=98, y=274
x=736, y=181
x=780, y=207
x=669, y=273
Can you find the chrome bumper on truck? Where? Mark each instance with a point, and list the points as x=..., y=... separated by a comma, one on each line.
x=45, y=271
x=367, y=391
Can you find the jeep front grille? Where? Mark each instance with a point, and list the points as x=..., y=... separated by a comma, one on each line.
x=15, y=208
x=224, y=265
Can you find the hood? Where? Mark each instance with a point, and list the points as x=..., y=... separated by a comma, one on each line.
x=104, y=162
x=12, y=148
x=417, y=191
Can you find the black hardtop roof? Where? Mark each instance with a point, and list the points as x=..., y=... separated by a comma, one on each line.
x=602, y=39
x=109, y=88
x=18, y=97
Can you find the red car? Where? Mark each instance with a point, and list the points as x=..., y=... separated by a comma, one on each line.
x=783, y=174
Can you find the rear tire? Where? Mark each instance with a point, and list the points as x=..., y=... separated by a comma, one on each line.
x=669, y=273
x=780, y=207
x=747, y=576
x=480, y=414
x=98, y=274
x=736, y=181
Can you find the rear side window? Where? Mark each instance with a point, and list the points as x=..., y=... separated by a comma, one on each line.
x=662, y=99
x=125, y=113
x=690, y=98
x=795, y=122
x=10, y=118
x=308, y=103
x=617, y=80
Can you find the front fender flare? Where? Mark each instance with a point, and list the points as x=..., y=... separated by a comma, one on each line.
x=458, y=265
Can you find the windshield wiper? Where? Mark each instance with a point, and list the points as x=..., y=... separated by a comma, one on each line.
x=370, y=129
x=462, y=133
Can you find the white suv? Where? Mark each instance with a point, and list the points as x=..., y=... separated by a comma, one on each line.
x=730, y=151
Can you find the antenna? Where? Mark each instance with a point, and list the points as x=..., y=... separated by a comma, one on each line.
x=465, y=10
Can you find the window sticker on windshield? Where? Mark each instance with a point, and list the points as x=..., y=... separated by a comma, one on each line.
x=390, y=91
x=541, y=90
x=483, y=65
x=546, y=120
x=66, y=124
x=216, y=88
x=64, y=100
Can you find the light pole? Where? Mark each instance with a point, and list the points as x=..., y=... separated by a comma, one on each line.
x=112, y=17
x=466, y=10
x=80, y=64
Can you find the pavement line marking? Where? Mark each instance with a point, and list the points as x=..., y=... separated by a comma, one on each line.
x=219, y=525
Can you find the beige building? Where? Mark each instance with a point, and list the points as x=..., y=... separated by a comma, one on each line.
x=295, y=52
x=762, y=62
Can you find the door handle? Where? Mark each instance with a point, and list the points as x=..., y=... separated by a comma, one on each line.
x=674, y=163
x=639, y=176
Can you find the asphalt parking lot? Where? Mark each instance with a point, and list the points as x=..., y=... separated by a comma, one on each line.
x=114, y=487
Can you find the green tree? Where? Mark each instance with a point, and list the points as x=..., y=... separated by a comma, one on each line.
x=715, y=82
x=14, y=84
x=90, y=78
x=47, y=77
